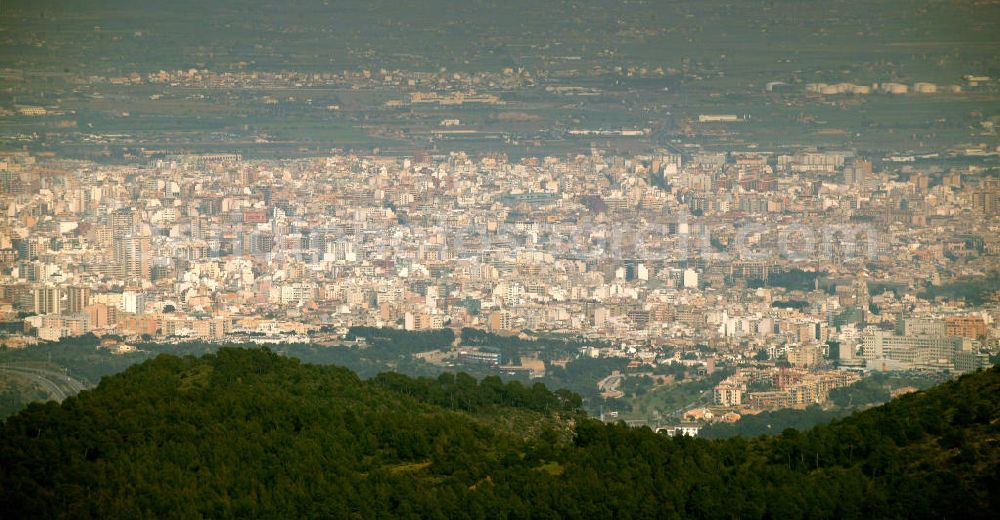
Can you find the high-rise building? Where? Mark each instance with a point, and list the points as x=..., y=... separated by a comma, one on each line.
x=29, y=248
x=690, y=279
x=501, y=320
x=122, y=222
x=965, y=326
x=47, y=300
x=132, y=255
x=78, y=298
x=10, y=182
x=102, y=315
x=133, y=302
x=857, y=172
x=631, y=270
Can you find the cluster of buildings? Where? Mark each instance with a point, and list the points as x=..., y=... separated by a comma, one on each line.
x=971, y=81
x=355, y=79
x=923, y=343
x=746, y=252
x=920, y=87
x=755, y=389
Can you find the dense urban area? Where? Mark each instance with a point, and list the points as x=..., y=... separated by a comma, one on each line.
x=793, y=275
x=751, y=248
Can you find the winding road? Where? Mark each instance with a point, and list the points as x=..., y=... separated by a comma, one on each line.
x=611, y=386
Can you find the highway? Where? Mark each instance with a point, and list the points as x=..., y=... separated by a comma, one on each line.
x=57, y=384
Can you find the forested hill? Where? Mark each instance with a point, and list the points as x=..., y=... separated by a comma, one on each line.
x=247, y=433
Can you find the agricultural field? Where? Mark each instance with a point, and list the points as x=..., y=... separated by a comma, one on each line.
x=561, y=76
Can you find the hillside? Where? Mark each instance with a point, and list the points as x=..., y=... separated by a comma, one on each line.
x=249, y=433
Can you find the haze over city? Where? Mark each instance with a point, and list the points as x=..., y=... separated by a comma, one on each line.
x=584, y=258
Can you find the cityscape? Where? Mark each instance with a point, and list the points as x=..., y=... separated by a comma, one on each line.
x=585, y=231
x=808, y=261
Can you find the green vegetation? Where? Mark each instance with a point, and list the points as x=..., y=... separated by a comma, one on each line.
x=655, y=65
x=381, y=350
x=86, y=362
x=874, y=389
x=974, y=290
x=877, y=388
x=772, y=423
x=792, y=280
x=82, y=359
x=17, y=391
x=791, y=304
x=512, y=347
x=248, y=433
x=463, y=392
x=670, y=400
x=397, y=341
x=581, y=375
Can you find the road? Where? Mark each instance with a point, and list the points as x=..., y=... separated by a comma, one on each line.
x=57, y=384
x=611, y=386
x=701, y=398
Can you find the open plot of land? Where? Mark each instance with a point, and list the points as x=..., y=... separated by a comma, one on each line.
x=592, y=66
